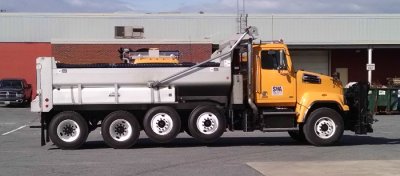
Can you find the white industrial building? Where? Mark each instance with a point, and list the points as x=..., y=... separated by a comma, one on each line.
x=320, y=43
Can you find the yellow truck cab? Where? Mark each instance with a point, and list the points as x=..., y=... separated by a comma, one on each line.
x=284, y=86
x=316, y=101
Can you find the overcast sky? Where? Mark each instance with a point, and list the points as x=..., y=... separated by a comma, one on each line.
x=207, y=6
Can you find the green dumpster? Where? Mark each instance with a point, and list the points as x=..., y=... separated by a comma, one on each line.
x=372, y=99
x=398, y=100
x=383, y=100
x=393, y=100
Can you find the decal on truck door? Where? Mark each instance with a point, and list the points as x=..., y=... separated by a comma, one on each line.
x=277, y=90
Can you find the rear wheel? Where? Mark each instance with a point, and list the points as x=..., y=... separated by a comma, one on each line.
x=68, y=130
x=120, y=130
x=324, y=127
x=162, y=124
x=206, y=123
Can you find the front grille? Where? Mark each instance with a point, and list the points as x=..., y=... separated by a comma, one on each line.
x=6, y=94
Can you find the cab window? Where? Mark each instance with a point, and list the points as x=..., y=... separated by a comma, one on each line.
x=271, y=60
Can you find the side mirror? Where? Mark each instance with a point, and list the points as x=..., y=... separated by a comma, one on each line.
x=28, y=86
x=283, y=72
x=282, y=64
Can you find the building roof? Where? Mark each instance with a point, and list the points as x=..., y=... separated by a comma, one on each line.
x=295, y=29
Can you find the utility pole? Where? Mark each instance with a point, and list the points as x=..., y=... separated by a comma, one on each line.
x=370, y=65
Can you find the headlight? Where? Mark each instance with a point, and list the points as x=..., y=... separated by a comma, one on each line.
x=20, y=94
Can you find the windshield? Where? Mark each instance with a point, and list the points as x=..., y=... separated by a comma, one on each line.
x=16, y=84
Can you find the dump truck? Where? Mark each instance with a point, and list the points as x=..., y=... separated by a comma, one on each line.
x=245, y=85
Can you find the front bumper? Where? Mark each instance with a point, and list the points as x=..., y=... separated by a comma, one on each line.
x=358, y=119
x=12, y=101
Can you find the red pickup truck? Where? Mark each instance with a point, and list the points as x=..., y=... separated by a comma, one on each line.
x=15, y=91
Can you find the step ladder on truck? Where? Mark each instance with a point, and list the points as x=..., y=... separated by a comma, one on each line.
x=245, y=85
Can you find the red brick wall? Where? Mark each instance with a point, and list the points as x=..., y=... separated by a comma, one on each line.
x=108, y=53
x=18, y=60
x=387, y=62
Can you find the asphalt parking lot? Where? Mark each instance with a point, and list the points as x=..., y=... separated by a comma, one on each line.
x=237, y=153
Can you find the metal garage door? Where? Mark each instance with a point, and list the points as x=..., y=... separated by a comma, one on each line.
x=314, y=61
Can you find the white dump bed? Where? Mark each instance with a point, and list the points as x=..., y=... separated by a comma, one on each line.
x=80, y=86
x=146, y=85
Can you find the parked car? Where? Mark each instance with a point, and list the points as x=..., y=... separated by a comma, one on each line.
x=15, y=91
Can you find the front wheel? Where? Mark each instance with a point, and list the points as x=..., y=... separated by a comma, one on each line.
x=323, y=127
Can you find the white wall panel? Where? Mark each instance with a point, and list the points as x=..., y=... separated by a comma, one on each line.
x=314, y=61
x=294, y=29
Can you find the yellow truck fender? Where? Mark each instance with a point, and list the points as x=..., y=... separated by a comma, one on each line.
x=308, y=100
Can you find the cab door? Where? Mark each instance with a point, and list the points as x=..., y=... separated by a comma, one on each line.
x=275, y=79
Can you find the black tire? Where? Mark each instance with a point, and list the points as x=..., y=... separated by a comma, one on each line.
x=323, y=127
x=26, y=103
x=120, y=130
x=162, y=124
x=68, y=130
x=206, y=124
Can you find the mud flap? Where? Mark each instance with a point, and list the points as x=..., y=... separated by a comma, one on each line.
x=44, y=131
x=359, y=118
x=42, y=128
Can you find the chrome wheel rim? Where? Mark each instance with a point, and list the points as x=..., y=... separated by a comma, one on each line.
x=325, y=127
x=161, y=124
x=120, y=130
x=68, y=130
x=207, y=123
